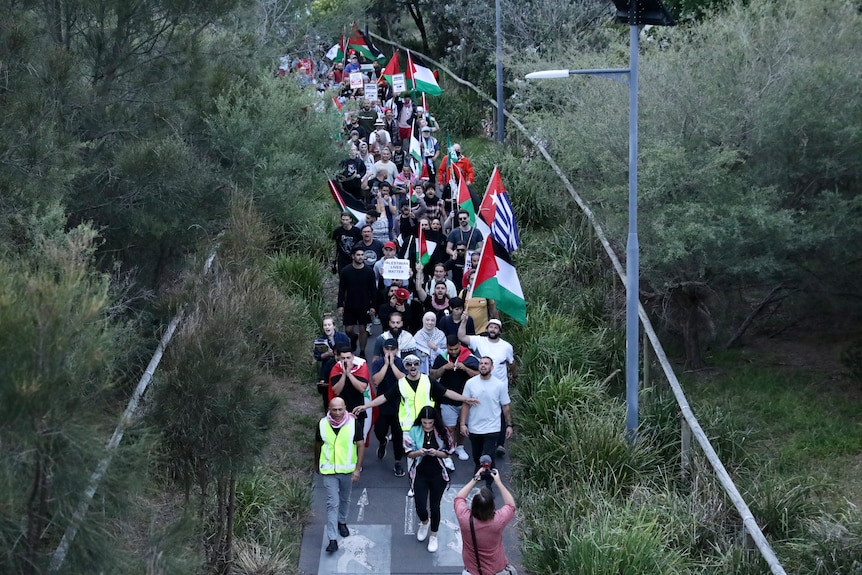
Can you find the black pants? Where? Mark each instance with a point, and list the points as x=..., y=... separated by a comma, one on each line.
x=484, y=444
x=425, y=485
x=388, y=423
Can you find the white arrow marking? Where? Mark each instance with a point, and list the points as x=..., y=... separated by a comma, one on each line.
x=363, y=501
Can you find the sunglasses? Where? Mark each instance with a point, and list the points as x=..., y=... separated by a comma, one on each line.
x=411, y=364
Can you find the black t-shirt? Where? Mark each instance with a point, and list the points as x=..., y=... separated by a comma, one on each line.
x=344, y=240
x=373, y=252
x=448, y=325
x=456, y=266
x=389, y=383
x=357, y=288
x=352, y=397
x=455, y=379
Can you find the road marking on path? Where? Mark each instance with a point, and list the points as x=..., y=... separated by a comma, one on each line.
x=368, y=550
x=409, y=516
x=363, y=501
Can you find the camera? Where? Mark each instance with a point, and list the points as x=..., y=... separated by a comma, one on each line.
x=485, y=467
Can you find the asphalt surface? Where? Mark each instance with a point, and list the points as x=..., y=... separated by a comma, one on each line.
x=383, y=522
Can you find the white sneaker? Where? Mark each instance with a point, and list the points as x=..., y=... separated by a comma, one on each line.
x=422, y=532
x=450, y=465
x=462, y=454
x=410, y=492
x=432, y=544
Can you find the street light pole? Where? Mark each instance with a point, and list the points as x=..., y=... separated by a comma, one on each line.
x=636, y=13
x=632, y=246
x=499, y=57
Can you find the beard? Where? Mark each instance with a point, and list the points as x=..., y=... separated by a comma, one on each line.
x=395, y=331
x=493, y=335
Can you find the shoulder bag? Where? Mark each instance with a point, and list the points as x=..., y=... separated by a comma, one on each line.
x=507, y=570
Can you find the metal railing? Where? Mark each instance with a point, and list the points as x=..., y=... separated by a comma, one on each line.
x=690, y=426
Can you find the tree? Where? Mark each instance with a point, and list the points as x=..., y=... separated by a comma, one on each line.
x=214, y=407
x=742, y=166
x=59, y=346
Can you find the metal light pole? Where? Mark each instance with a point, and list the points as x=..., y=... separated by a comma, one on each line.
x=637, y=13
x=500, y=103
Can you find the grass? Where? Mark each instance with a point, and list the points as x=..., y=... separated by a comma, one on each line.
x=798, y=421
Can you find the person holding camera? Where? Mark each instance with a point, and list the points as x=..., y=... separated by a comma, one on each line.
x=429, y=445
x=482, y=526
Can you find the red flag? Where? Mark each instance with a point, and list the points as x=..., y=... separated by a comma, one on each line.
x=392, y=67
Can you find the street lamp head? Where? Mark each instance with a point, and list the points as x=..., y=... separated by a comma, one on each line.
x=547, y=74
x=641, y=12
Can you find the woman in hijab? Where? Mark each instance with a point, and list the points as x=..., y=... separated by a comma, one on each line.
x=428, y=444
x=430, y=342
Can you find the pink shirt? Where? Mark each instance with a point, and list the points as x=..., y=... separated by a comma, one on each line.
x=489, y=537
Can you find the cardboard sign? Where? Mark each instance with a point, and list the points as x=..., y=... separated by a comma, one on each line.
x=370, y=91
x=399, y=83
x=395, y=269
x=357, y=80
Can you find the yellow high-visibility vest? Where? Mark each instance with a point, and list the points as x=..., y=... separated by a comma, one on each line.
x=412, y=402
x=338, y=453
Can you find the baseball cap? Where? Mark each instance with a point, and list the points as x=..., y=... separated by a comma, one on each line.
x=389, y=245
x=390, y=343
x=411, y=359
x=496, y=322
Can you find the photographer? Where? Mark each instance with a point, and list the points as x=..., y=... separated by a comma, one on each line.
x=482, y=527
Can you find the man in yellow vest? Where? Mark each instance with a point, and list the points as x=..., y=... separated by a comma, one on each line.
x=339, y=448
x=414, y=392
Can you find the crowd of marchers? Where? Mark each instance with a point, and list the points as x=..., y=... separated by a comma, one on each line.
x=433, y=386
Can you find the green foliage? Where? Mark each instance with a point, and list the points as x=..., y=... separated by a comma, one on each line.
x=782, y=506
x=273, y=143
x=851, y=358
x=834, y=544
x=538, y=199
x=464, y=112
x=59, y=345
x=621, y=540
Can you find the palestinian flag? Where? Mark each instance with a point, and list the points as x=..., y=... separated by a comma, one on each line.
x=424, y=248
x=496, y=217
x=335, y=54
x=421, y=78
x=465, y=200
x=497, y=279
x=360, y=42
x=346, y=202
x=415, y=151
x=391, y=68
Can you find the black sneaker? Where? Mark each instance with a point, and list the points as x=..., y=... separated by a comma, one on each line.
x=399, y=471
x=501, y=451
x=343, y=530
x=332, y=547
x=381, y=450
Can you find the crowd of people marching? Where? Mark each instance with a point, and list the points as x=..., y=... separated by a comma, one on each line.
x=432, y=387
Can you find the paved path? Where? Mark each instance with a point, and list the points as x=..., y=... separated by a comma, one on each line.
x=383, y=524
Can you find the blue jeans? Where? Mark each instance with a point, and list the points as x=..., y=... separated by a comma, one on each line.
x=338, y=487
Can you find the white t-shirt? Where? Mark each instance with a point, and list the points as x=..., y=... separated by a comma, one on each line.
x=391, y=170
x=501, y=352
x=492, y=395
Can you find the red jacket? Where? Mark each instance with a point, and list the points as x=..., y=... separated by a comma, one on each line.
x=464, y=164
